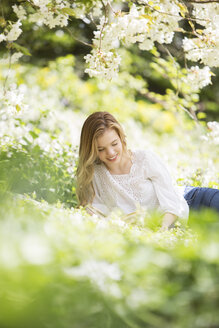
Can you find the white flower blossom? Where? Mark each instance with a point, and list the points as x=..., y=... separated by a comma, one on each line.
x=214, y=132
x=79, y=11
x=205, y=47
x=52, y=18
x=2, y=37
x=129, y=28
x=41, y=3
x=198, y=78
x=102, y=64
x=20, y=12
x=12, y=103
x=48, y=18
x=188, y=44
x=158, y=23
x=14, y=32
x=207, y=14
x=36, y=250
x=11, y=59
x=98, y=272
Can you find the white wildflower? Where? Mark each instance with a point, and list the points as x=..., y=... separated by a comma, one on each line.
x=12, y=102
x=36, y=250
x=98, y=272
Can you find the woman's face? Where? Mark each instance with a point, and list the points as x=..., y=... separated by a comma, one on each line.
x=109, y=147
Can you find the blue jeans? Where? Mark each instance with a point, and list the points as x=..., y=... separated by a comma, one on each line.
x=198, y=198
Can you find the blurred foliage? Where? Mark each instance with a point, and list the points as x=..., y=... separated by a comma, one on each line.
x=30, y=170
x=63, y=268
x=47, y=44
x=127, y=96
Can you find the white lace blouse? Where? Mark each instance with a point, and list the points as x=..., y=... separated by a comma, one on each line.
x=148, y=185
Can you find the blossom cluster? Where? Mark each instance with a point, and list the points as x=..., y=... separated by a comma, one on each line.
x=32, y=114
x=50, y=13
x=136, y=26
x=205, y=46
x=151, y=21
x=12, y=32
x=46, y=12
x=11, y=101
x=197, y=78
x=104, y=64
x=142, y=23
x=214, y=132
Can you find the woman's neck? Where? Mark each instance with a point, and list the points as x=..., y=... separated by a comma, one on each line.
x=124, y=166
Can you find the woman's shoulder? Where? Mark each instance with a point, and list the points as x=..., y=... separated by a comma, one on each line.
x=99, y=171
x=98, y=167
x=143, y=154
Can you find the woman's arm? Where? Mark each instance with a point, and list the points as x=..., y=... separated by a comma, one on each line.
x=92, y=210
x=170, y=200
x=168, y=220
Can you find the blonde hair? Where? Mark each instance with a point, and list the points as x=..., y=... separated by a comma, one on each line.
x=94, y=126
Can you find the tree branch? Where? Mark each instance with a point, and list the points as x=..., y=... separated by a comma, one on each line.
x=202, y=1
x=9, y=68
x=174, y=15
x=104, y=24
x=85, y=43
x=165, y=104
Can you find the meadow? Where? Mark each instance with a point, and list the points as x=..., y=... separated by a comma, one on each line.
x=59, y=266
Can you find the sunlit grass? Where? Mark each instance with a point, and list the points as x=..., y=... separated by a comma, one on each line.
x=63, y=268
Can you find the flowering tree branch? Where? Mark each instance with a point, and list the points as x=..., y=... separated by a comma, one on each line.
x=143, y=23
x=103, y=24
x=202, y=1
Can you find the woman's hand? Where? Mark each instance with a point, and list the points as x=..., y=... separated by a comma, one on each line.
x=168, y=220
x=94, y=211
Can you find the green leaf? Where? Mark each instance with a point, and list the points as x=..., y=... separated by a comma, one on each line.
x=68, y=11
x=201, y=115
x=20, y=48
x=2, y=22
x=33, y=134
x=18, y=108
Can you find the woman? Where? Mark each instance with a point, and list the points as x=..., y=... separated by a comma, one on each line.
x=111, y=176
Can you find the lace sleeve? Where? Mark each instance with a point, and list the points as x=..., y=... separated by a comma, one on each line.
x=169, y=199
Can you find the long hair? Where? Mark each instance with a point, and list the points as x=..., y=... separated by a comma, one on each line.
x=94, y=126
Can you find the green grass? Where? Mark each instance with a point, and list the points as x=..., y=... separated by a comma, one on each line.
x=62, y=268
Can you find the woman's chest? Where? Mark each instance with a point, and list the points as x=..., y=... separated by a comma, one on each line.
x=138, y=187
